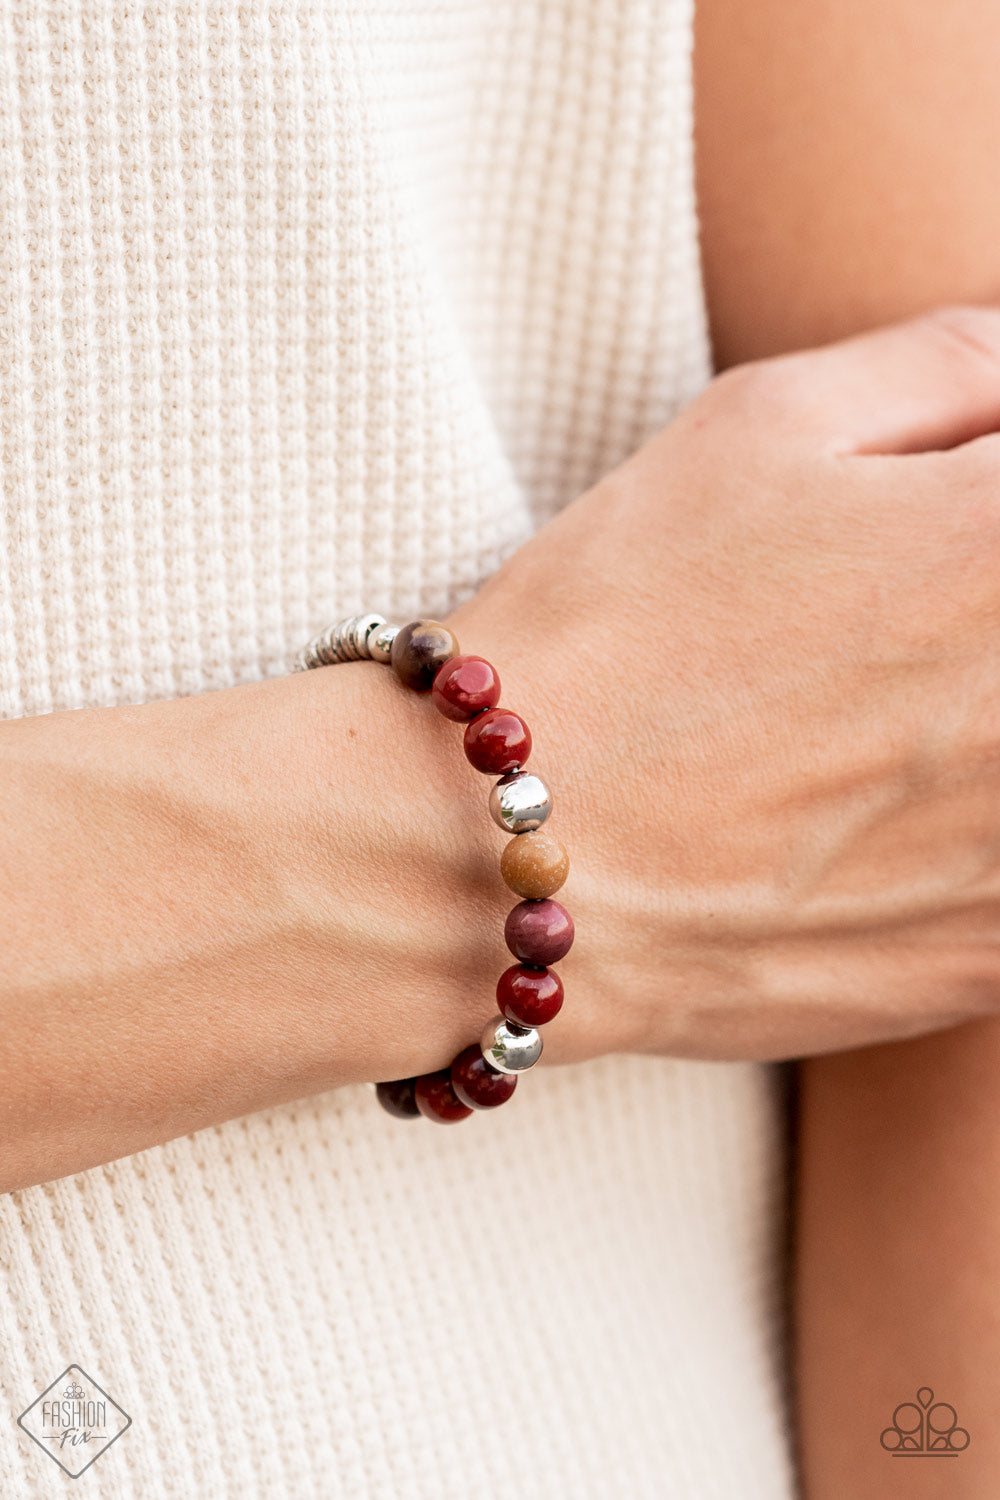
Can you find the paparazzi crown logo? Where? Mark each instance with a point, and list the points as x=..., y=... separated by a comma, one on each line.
x=925, y=1429
x=74, y=1420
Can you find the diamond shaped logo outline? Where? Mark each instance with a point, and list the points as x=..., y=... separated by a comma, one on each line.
x=73, y=1371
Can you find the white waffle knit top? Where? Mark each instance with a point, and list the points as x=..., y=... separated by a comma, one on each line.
x=308, y=307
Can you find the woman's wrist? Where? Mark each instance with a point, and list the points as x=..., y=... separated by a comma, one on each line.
x=425, y=658
x=219, y=903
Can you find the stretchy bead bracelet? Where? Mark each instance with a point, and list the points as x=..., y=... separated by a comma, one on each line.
x=539, y=931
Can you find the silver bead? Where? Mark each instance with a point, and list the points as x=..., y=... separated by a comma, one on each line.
x=312, y=655
x=380, y=642
x=327, y=645
x=324, y=647
x=360, y=629
x=346, y=649
x=510, y=1048
x=349, y=640
x=344, y=645
x=520, y=802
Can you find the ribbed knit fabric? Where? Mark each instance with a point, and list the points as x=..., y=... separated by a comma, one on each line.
x=307, y=308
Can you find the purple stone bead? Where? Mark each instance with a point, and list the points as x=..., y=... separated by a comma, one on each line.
x=539, y=932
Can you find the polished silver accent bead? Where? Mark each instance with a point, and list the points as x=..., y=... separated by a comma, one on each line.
x=520, y=802
x=510, y=1048
x=380, y=642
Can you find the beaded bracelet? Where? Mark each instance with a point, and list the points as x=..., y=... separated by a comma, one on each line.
x=425, y=657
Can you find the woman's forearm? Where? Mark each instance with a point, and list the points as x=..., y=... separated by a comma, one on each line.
x=898, y=1264
x=214, y=904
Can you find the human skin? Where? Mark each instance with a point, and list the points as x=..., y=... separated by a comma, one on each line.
x=847, y=176
x=783, y=803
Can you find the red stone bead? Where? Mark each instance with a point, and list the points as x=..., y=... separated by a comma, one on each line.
x=497, y=741
x=529, y=997
x=539, y=932
x=397, y=1098
x=437, y=1100
x=464, y=687
x=477, y=1084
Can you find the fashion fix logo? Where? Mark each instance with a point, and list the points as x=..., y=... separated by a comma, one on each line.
x=925, y=1428
x=74, y=1420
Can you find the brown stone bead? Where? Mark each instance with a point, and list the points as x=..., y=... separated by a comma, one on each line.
x=534, y=864
x=418, y=650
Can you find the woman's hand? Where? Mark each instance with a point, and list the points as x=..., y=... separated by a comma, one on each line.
x=762, y=664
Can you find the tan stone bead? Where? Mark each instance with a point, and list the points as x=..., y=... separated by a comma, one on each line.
x=534, y=864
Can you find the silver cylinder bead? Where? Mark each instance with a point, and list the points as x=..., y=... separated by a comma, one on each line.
x=380, y=642
x=519, y=802
x=510, y=1048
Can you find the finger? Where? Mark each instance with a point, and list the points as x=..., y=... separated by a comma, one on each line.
x=914, y=387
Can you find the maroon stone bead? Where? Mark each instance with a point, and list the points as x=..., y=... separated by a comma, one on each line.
x=464, y=687
x=497, y=741
x=437, y=1100
x=418, y=650
x=397, y=1098
x=539, y=932
x=529, y=997
x=477, y=1084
